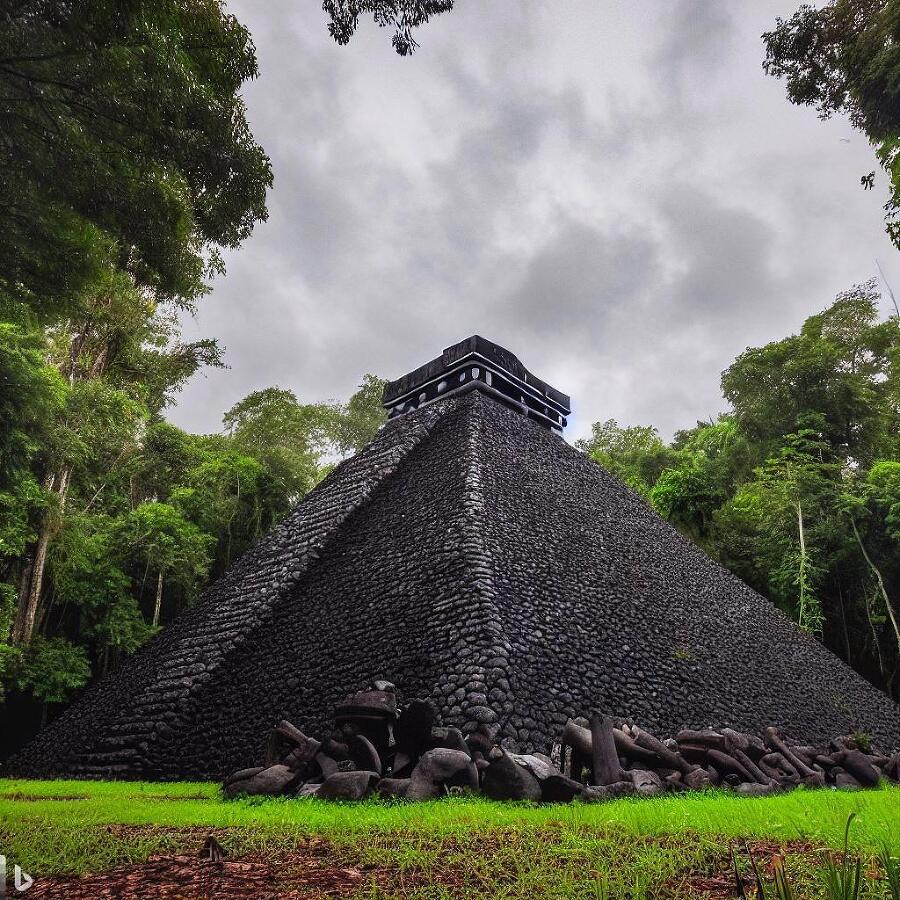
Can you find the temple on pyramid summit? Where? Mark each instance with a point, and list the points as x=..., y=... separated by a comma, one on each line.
x=469, y=555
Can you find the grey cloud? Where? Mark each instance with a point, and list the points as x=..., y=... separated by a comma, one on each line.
x=583, y=283
x=696, y=40
x=727, y=254
x=617, y=193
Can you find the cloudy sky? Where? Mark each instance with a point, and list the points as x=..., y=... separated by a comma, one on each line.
x=615, y=192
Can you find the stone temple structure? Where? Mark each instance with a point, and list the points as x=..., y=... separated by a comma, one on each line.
x=471, y=556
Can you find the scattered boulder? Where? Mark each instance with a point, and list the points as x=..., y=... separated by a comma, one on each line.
x=505, y=779
x=646, y=783
x=601, y=793
x=401, y=752
x=673, y=782
x=369, y=713
x=363, y=754
x=449, y=739
x=272, y=780
x=326, y=765
x=347, y=785
x=859, y=765
x=412, y=733
x=697, y=779
x=559, y=788
x=439, y=768
x=288, y=745
x=539, y=765
x=392, y=788
x=243, y=774
x=555, y=786
x=754, y=789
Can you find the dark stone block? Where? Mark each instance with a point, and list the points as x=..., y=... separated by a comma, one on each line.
x=273, y=781
x=392, y=788
x=440, y=768
x=503, y=779
x=363, y=754
x=347, y=785
x=860, y=766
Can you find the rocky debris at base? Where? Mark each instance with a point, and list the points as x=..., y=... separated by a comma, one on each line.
x=378, y=747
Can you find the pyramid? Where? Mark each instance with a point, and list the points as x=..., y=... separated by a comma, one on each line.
x=471, y=556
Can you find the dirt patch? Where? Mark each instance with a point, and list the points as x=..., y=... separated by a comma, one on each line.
x=722, y=882
x=304, y=872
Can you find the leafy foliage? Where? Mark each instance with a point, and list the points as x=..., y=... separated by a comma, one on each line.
x=124, y=142
x=134, y=514
x=52, y=669
x=126, y=165
x=636, y=454
x=31, y=394
x=272, y=426
x=351, y=425
x=401, y=15
x=844, y=57
x=797, y=488
x=839, y=366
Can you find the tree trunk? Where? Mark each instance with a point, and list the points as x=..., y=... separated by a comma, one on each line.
x=158, y=604
x=30, y=601
x=844, y=622
x=875, y=644
x=24, y=585
x=879, y=579
x=802, y=578
x=58, y=482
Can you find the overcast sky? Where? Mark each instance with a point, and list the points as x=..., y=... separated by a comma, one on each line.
x=615, y=192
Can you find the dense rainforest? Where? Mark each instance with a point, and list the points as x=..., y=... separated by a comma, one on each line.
x=796, y=489
x=112, y=520
x=127, y=167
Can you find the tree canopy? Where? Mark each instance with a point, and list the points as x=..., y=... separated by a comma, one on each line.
x=844, y=57
x=403, y=16
x=126, y=166
x=123, y=142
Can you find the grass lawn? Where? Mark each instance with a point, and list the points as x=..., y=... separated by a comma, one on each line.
x=678, y=846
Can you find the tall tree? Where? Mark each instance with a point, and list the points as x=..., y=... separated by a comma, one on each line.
x=285, y=435
x=636, y=453
x=162, y=542
x=872, y=506
x=790, y=505
x=123, y=141
x=840, y=365
x=844, y=57
x=120, y=357
x=351, y=425
x=797, y=489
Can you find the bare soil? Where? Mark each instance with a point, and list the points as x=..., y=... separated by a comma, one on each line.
x=305, y=872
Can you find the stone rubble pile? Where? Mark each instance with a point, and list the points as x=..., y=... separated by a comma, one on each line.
x=380, y=748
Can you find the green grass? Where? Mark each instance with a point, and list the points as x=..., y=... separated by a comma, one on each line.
x=463, y=847
x=812, y=815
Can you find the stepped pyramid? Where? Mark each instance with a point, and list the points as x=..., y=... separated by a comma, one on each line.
x=473, y=557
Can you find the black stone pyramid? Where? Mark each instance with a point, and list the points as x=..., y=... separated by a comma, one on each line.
x=471, y=556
